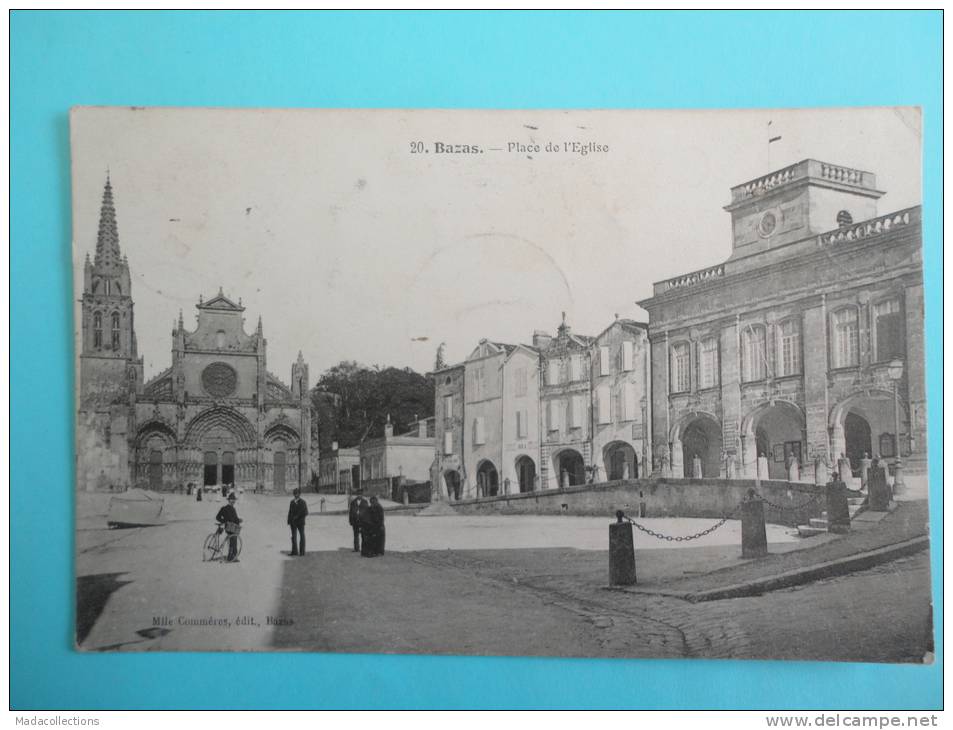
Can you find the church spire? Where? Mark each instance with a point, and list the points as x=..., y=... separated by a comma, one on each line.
x=107, y=241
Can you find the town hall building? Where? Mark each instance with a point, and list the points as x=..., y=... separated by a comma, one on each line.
x=805, y=346
x=215, y=416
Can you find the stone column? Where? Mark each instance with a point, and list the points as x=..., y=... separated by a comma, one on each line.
x=814, y=346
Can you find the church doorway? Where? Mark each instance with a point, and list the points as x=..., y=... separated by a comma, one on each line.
x=155, y=469
x=211, y=469
x=280, y=463
x=488, y=479
x=571, y=468
x=526, y=474
x=856, y=439
x=228, y=467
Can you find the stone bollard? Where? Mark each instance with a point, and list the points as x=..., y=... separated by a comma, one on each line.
x=405, y=497
x=878, y=491
x=621, y=552
x=754, y=536
x=321, y=503
x=838, y=512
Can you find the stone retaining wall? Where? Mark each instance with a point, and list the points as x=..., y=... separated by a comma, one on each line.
x=662, y=497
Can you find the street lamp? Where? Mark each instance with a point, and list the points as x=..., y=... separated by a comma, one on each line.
x=895, y=372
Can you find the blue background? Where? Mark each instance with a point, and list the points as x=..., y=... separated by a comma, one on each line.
x=431, y=59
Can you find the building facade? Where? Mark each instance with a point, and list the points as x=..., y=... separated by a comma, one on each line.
x=448, y=474
x=519, y=375
x=565, y=401
x=215, y=416
x=791, y=349
x=620, y=366
x=334, y=470
x=483, y=422
x=409, y=455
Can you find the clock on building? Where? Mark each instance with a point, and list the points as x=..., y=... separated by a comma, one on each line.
x=767, y=224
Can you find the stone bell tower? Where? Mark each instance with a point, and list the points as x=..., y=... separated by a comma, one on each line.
x=110, y=368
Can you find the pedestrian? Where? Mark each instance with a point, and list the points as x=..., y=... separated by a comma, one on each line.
x=354, y=510
x=297, y=512
x=198, y=493
x=373, y=537
x=228, y=519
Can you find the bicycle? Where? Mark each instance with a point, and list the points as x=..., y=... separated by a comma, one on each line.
x=216, y=544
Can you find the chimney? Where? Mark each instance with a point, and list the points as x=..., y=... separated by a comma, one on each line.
x=541, y=339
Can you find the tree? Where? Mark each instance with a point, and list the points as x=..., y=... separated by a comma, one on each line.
x=351, y=402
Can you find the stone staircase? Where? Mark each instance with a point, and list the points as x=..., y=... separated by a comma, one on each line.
x=818, y=525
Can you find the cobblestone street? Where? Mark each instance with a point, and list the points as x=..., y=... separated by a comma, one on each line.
x=541, y=591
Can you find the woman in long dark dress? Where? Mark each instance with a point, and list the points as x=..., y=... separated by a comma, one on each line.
x=368, y=538
x=377, y=512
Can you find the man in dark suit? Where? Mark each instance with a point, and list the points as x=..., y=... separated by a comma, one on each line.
x=297, y=511
x=354, y=519
x=228, y=520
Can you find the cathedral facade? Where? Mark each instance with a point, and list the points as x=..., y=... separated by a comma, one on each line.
x=215, y=416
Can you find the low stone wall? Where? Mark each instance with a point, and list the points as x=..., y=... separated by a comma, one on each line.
x=662, y=497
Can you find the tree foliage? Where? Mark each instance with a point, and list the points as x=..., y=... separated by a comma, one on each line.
x=351, y=402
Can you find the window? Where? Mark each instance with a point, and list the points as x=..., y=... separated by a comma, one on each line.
x=708, y=363
x=603, y=405
x=98, y=329
x=845, y=338
x=575, y=367
x=479, y=431
x=789, y=346
x=552, y=373
x=681, y=374
x=115, y=330
x=520, y=377
x=628, y=402
x=553, y=407
x=108, y=287
x=448, y=406
x=753, y=356
x=448, y=442
x=888, y=329
x=220, y=340
x=604, y=361
x=577, y=411
x=522, y=425
x=627, y=354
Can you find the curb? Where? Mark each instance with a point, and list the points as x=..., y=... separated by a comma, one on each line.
x=799, y=576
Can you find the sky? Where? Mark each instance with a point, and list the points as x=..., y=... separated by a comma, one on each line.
x=352, y=246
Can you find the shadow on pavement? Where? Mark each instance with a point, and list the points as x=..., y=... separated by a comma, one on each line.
x=92, y=594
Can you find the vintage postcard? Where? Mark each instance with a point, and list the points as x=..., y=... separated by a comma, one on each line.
x=540, y=383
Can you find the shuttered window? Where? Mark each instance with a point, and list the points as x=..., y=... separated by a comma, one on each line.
x=447, y=442
x=603, y=397
x=604, y=368
x=627, y=355
x=888, y=329
x=448, y=406
x=521, y=424
x=553, y=408
x=552, y=376
x=479, y=431
x=575, y=367
x=629, y=406
x=577, y=411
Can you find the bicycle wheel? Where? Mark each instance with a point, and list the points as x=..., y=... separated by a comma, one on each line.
x=211, y=548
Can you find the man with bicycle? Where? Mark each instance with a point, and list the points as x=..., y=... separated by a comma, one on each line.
x=228, y=520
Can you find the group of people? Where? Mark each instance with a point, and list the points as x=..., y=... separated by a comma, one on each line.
x=367, y=523
x=366, y=519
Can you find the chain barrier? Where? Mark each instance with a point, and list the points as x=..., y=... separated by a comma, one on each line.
x=685, y=538
x=782, y=508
